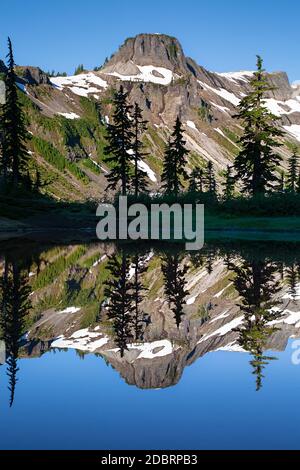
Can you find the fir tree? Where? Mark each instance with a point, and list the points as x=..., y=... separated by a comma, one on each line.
x=140, y=183
x=281, y=184
x=119, y=150
x=79, y=69
x=293, y=171
x=255, y=281
x=14, y=153
x=257, y=161
x=196, y=180
x=298, y=184
x=174, y=163
x=292, y=280
x=119, y=292
x=14, y=306
x=138, y=289
x=211, y=180
x=229, y=183
x=175, y=284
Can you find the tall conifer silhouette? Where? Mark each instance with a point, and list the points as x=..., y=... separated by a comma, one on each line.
x=211, y=180
x=257, y=161
x=229, y=183
x=293, y=170
x=14, y=153
x=119, y=150
x=174, y=163
x=138, y=292
x=196, y=180
x=120, y=305
x=14, y=306
x=175, y=284
x=256, y=282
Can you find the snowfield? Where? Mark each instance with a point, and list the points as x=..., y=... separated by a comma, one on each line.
x=82, y=85
x=276, y=107
x=70, y=115
x=294, y=129
x=243, y=76
x=146, y=75
x=224, y=329
x=192, y=125
x=146, y=169
x=82, y=340
x=70, y=310
x=226, y=95
x=151, y=350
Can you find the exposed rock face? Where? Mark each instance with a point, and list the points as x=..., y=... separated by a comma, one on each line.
x=148, y=49
x=33, y=75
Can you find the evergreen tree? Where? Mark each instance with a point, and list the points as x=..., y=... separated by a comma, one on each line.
x=14, y=306
x=257, y=161
x=119, y=151
x=140, y=182
x=211, y=180
x=174, y=163
x=79, y=69
x=14, y=153
x=196, y=181
x=138, y=289
x=119, y=292
x=255, y=281
x=228, y=184
x=298, y=184
x=281, y=184
x=293, y=171
x=209, y=260
x=292, y=280
x=175, y=284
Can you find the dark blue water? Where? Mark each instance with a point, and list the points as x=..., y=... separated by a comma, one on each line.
x=63, y=402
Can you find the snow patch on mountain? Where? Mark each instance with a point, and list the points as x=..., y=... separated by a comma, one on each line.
x=293, y=318
x=192, y=125
x=276, y=107
x=294, y=130
x=147, y=74
x=70, y=310
x=226, y=95
x=70, y=115
x=151, y=350
x=231, y=347
x=82, y=340
x=146, y=169
x=224, y=329
x=82, y=85
x=243, y=76
x=223, y=109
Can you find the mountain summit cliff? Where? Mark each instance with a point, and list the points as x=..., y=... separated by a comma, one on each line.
x=158, y=50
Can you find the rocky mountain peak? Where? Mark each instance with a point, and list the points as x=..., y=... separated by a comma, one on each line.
x=158, y=50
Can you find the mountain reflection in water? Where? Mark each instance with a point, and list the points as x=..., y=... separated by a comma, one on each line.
x=149, y=312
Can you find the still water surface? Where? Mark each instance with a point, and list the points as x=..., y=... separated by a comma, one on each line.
x=213, y=366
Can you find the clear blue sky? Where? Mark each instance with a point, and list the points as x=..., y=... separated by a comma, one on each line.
x=222, y=35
